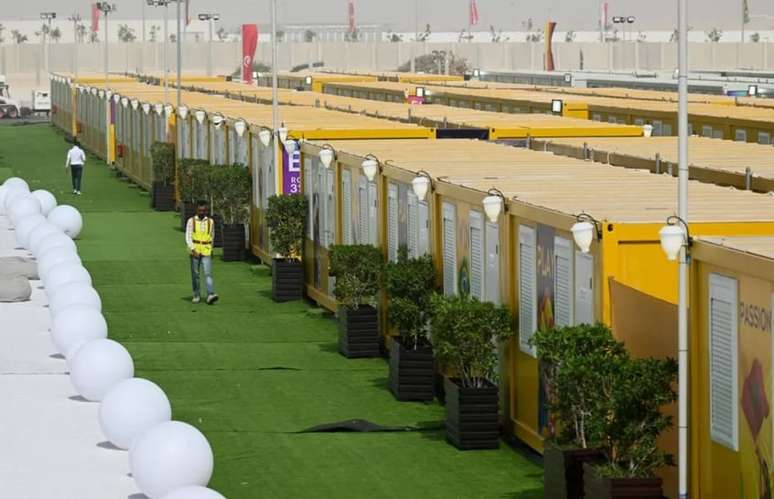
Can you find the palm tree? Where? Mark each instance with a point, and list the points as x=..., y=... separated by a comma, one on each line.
x=93, y=37
x=44, y=31
x=221, y=33
x=56, y=34
x=80, y=32
x=18, y=37
x=154, y=32
x=2, y=28
x=126, y=34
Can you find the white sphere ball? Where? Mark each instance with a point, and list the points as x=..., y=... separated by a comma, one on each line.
x=193, y=492
x=3, y=193
x=54, y=256
x=39, y=233
x=77, y=323
x=25, y=226
x=13, y=183
x=11, y=198
x=46, y=199
x=23, y=206
x=98, y=366
x=131, y=407
x=68, y=219
x=51, y=240
x=65, y=273
x=74, y=294
x=168, y=456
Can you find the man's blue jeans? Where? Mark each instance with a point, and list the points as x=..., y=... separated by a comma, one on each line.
x=198, y=263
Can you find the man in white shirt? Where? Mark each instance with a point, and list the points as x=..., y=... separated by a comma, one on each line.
x=76, y=158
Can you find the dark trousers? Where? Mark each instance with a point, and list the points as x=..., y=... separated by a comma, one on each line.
x=77, y=172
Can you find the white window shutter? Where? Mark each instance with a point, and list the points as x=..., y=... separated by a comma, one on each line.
x=412, y=231
x=330, y=210
x=563, y=288
x=449, y=250
x=346, y=206
x=362, y=233
x=492, y=278
x=527, y=289
x=373, y=228
x=476, y=255
x=423, y=222
x=584, y=288
x=392, y=222
x=319, y=188
x=309, y=197
x=723, y=364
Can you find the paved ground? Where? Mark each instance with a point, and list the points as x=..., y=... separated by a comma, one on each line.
x=52, y=446
x=250, y=373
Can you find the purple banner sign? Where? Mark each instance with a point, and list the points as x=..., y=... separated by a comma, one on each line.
x=291, y=173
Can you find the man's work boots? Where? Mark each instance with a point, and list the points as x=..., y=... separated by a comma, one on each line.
x=211, y=299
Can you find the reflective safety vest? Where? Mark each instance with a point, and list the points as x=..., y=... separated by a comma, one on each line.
x=202, y=235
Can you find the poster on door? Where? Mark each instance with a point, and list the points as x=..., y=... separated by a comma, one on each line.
x=545, y=312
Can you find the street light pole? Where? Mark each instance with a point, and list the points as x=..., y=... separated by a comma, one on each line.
x=274, y=103
x=682, y=211
x=47, y=17
x=166, y=49
x=106, y=8
x=75, y=18
x=179, y=55
x=211, y=17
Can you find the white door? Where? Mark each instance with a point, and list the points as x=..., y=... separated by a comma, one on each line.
x=476, y=236
x=412, y=229
x=527, y=288
x=392, y=222
x=449, y=250
x=563, y=288
x=492, y=279
x=584, y=288
x=346, y=206
x=373, y=230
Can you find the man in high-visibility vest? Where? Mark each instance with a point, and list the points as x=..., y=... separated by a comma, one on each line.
x=199, y=232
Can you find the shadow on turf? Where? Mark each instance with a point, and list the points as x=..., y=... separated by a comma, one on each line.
x=107, y=445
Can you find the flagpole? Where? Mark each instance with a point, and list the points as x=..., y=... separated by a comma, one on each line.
x=470, y=21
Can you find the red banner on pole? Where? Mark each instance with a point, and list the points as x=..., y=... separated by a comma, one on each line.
x=249, y=44
x=187, y=12
x=95, y=12
x=550, y=28
x=473, y=13
x=351, y=16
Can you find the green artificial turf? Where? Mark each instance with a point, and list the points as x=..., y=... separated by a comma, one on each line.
x=249, y=373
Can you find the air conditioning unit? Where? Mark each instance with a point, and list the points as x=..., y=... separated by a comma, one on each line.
x=120, y=150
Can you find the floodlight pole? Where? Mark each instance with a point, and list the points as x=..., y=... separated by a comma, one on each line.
x=166, y=49
x=179, y=56
x=682, y=212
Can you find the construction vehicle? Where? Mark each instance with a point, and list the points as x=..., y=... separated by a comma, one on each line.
x=9, y=108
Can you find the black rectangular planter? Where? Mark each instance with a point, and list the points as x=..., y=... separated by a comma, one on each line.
x=599, y=487
x=217, y=237
x=359, y=332
x=411, y=371
x=187, y=210
x=233, y=242
x=287, y=279
x=163, y=197
x=563, y=470
x=472, y=420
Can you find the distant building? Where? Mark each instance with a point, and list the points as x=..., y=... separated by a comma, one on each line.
x=195, y=31
x=332, y=32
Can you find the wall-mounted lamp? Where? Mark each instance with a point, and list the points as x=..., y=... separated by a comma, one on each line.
x=290, y=146
x=182, y=111
x=146, y=107
x=217, y=120
x=282, y=132
x=308, y=80
x=420, y=92
x=116, y=98
x=421, y=184
x=674, y=236
x=169, y=109
x=124, y=101
x=200, y=115
x=494, y=204
x=158, y=108
x=327, y=155
x=265, y=137
x=370, y=167
x=240, y=126
x=557, y=106
x=135, y=104
x=584, y=230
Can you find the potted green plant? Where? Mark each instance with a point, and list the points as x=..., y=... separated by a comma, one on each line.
x=465, y=332
x=189, y=175
x=358, y=270
x=163, y=188
x=574, y=361
x=286, y=218
x=409, y=283
x=634, y=399
x=230, y=194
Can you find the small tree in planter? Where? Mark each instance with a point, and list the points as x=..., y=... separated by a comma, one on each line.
x=574, y=363
x=189, y=182
x=358, y=270
x=163, y=193
x=230, y=196
x=465, y=332
x=286, y=218
x=409, y=285
x=633, y=400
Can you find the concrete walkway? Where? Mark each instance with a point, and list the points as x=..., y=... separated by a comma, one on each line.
x=51, y=446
